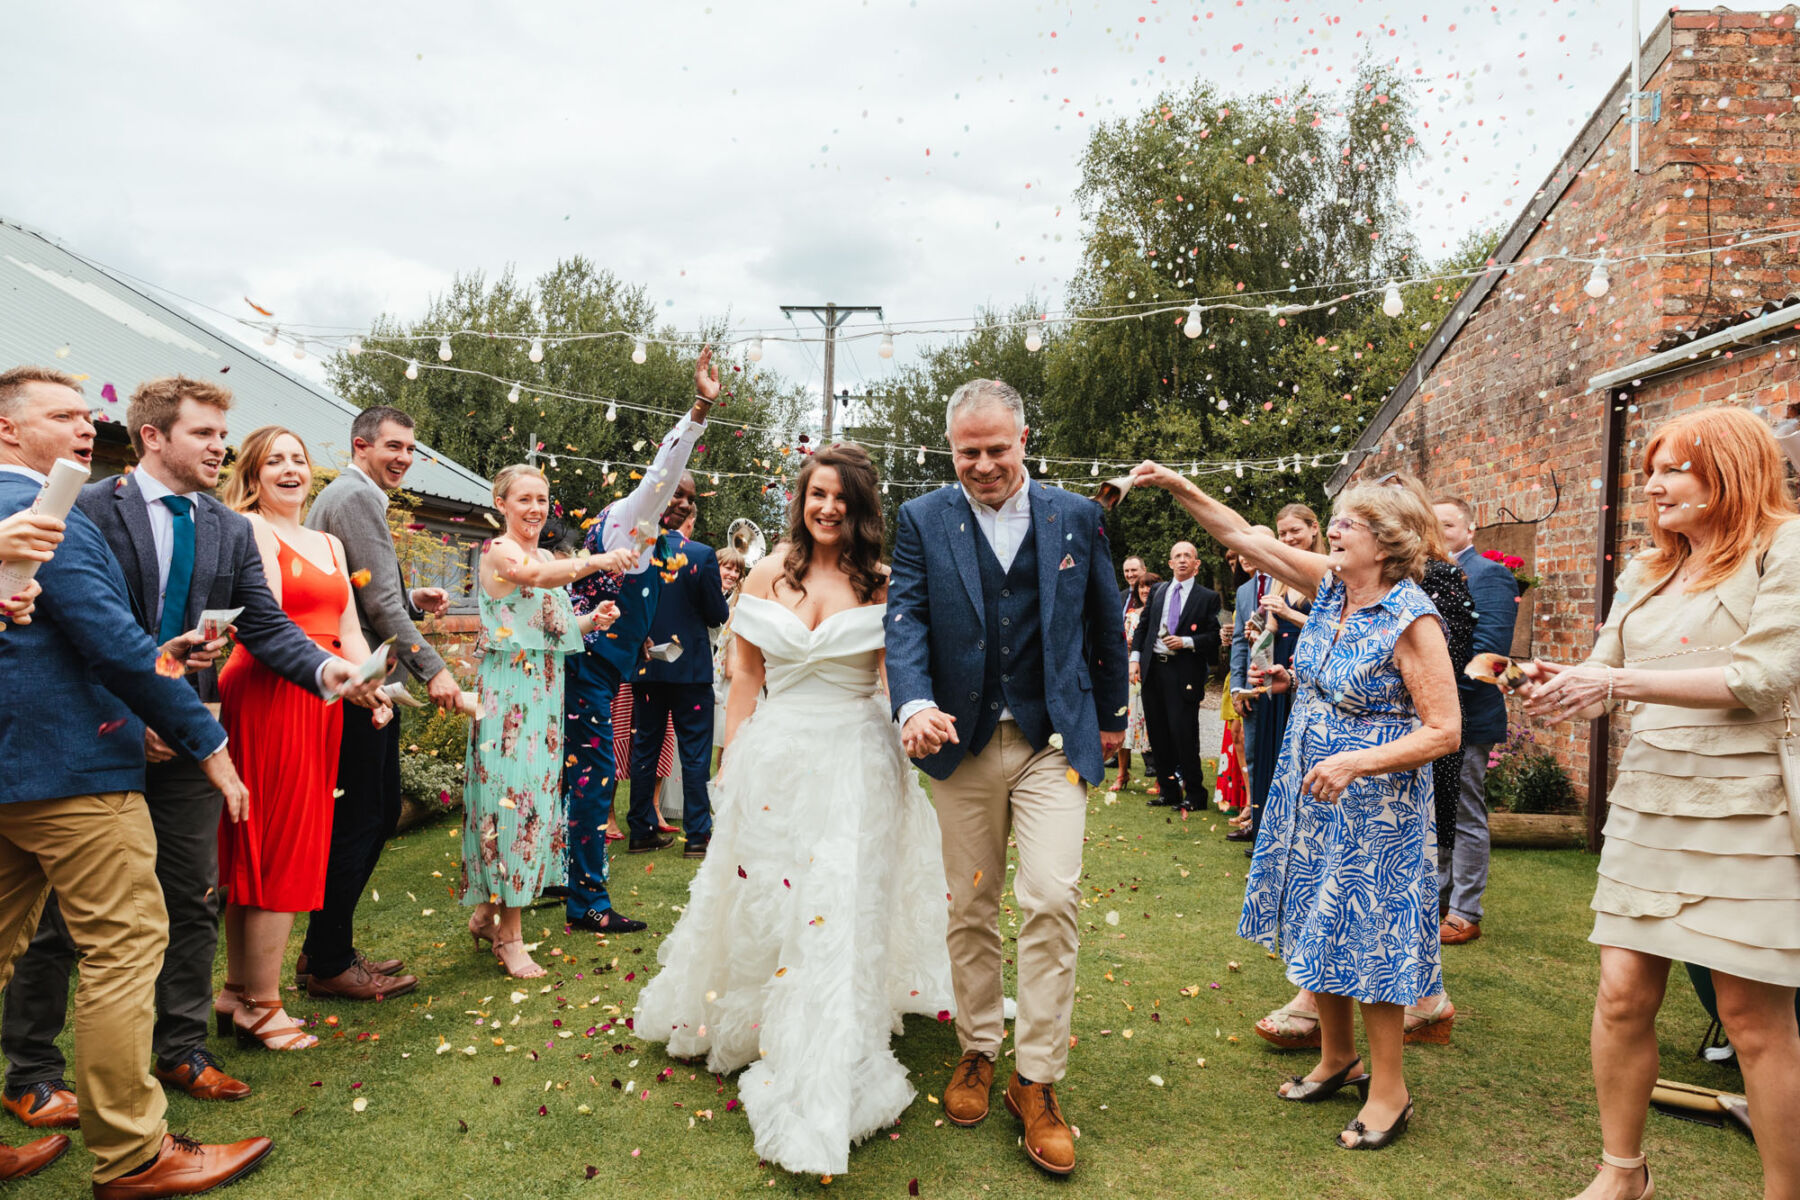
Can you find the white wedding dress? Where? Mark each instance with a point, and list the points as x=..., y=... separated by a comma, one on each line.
x=817, y=918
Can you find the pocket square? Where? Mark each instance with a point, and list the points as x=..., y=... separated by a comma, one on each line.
x=1067, y=562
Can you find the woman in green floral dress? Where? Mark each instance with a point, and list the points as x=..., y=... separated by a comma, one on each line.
x=513, y=826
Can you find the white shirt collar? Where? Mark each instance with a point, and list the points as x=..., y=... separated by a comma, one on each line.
x=1016, y=504
x=36, y=477
x=151, y=488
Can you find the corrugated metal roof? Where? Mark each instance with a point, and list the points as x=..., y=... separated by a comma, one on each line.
x=115, y=333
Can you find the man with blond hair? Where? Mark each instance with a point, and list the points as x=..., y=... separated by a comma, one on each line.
x=73, y=814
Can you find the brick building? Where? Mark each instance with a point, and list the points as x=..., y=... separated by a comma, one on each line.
x=1533, y=399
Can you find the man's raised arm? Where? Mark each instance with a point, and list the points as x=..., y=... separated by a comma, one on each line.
x=633, y=520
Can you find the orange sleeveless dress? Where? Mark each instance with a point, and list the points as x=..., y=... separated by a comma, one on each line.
x=284, y=740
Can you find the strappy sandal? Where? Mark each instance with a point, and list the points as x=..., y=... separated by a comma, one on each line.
x=232, y=993
x=1434, y=1026
x=1311, y=1091
x=534, y=970
x=1120, y=784
x=1633, y=1164
x=285, y=1037
x=1376, y=1139
x=1286, y=1033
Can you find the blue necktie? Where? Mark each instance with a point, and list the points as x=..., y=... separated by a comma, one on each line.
x=181, y=569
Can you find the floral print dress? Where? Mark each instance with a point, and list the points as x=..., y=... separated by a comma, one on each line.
x=513, y=822
x=1347, y=892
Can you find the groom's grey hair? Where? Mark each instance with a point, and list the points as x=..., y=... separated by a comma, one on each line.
x=985, y=393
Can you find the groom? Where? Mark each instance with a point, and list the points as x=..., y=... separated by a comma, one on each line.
x=1006, y=667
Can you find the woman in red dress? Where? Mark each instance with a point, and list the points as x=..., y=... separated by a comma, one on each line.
x=284, y=740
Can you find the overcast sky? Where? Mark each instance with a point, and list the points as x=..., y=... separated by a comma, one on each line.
x=334, y=161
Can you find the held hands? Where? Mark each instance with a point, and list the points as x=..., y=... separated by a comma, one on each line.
x=432, y=600
x=29, y=537
x=18, y=609
x=222, y=774
x=926, y=731
x=1327, y=781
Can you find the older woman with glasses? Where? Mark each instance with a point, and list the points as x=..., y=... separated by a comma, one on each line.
x=1342, y=884
x=1702, y=854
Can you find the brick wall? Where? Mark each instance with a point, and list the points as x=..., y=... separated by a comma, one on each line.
x=1507, y=406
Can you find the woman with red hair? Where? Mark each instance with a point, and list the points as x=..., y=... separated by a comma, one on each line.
x=1702, y=855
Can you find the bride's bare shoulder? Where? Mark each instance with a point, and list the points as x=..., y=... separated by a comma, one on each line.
x=762, y=577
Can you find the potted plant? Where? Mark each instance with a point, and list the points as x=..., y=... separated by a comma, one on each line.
x=1531, y=802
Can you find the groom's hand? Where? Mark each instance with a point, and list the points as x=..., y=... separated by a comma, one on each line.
x=926, y=731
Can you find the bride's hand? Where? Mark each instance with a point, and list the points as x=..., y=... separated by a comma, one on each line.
x=925, y=732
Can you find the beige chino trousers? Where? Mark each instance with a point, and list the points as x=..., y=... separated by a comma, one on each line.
x=99, y=853
x=1008, y=787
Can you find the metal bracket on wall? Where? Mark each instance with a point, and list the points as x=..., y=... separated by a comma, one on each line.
x=1555, y=503
x=1630, y=106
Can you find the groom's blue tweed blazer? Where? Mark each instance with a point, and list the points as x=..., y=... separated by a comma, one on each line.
x=935, y=621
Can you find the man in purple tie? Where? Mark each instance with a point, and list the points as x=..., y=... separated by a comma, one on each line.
x=1172, y=654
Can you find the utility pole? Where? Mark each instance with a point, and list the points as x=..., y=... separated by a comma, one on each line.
x=831, y=315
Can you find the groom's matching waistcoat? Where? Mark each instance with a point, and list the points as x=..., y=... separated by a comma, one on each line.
x=1013, y=678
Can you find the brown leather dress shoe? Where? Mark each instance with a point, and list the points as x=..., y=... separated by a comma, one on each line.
x=200, y=1076
x=966, y=1095
x=1456, y=931
x=45, y=1106
x=1049, y=1142
x=386, y=966
x=360, y=983
x=16, y=1162
x=186, y=1168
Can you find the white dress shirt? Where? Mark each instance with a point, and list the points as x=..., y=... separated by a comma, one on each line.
x=1004, y=528
x=162, y=528
x=637, y=519
x=1174, y=597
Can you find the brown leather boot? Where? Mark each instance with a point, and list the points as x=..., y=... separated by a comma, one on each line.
x=48, y=1105
x=1049, y=1142
x=186, y=1168
x=385, y=966
x=16, y=1162
x=360, y=983
x=201, y=1076
x=966, y=1095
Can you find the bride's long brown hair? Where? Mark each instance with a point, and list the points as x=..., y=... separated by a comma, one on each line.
x=863, y=529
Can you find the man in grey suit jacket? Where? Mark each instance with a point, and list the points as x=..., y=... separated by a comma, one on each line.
x=181, y=552
x=353, y=508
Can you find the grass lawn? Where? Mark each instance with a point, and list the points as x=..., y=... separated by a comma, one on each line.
x=471, y=1091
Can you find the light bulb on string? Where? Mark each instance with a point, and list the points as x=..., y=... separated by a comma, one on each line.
x=1240, y=470
x=1043, y=466
x=1599, y=282
x=638, y=352
x=612, y=412
x=444, y=349
x=886, y=349
x=1094, y=470
x=754, y=354
x=274, y=332
x=1034, y=337
x=536, y=353
x=884, y=487
x=1391, y=304
x=512, y=397
x=921, y=456
x=1192, y=327
x=299, y=350
x=412, y=368
x=355, y=346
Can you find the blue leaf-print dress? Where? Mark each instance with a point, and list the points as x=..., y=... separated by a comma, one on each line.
x=1347, y=892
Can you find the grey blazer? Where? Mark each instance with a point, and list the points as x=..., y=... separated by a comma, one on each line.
x=351, y=509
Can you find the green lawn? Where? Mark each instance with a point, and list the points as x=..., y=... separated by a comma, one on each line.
x=471, y=1094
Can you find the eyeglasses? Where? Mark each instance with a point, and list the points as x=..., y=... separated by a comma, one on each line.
x=1345, y=524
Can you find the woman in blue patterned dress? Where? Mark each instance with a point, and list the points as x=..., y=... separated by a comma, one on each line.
x=1344, y=881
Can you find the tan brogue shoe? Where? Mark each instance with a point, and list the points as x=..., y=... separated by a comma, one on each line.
x=360, y=983
x=16, y=1162
x=200, y=1076
x=966, y=1095
x=186, y=1168
x=48, y=1105
x=1049, y=1142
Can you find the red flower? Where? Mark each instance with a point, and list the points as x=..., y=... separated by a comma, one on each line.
x=1493, y=555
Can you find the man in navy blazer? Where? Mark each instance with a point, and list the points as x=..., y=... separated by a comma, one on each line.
x=692, y=601
x=85, y=684
x=181, y=552
x=1248, y=604
x=1006, y=670
x=1462, y=876
x=1173, y=654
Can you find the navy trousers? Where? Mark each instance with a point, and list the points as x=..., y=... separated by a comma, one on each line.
x=590, y=777
x=691, y=705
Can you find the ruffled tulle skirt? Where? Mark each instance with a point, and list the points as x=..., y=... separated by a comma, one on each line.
x=816, y=921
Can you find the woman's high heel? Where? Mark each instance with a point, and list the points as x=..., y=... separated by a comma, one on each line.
x=1376, y=1139
x=1309, y=1091
x=481, y=930
x=532, y=971
x=285, y=1037
x=222, y=1016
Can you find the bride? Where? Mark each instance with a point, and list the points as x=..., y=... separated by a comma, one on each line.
x=817, y=918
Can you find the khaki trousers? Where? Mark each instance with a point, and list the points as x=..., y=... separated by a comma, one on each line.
x=1010, y=787
x=99, y=853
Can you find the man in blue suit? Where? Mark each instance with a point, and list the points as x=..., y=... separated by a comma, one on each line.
x=84, y=679
x=1462, y=875
x=1006, y=669
x=692, y=601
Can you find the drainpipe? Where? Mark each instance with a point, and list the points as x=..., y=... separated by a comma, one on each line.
x=1606, y=537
